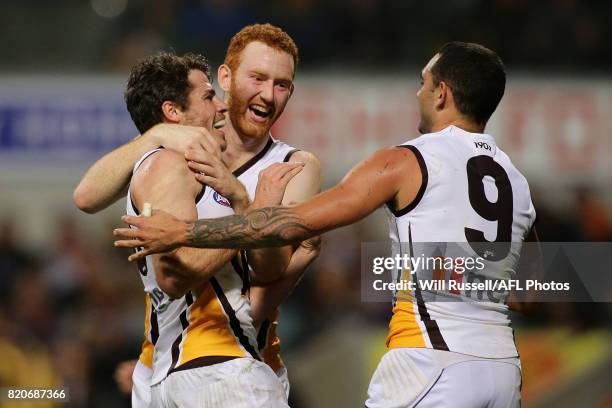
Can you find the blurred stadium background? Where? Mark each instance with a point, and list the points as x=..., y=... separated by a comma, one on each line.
x=71, y=306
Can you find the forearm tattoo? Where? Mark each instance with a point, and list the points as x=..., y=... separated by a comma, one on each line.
x=260, y=228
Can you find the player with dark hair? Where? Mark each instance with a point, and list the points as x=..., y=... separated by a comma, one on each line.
x=258, y=81
x=161, y=78
x=452, y=184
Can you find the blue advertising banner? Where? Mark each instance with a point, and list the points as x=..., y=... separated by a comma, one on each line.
x=63, y=120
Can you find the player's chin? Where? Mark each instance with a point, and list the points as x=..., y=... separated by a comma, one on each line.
x=257, y=130
x=424, y=128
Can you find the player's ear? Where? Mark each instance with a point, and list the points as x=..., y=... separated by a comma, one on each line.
x=171, y=112
x=442, y=95
x=224, y=76
x=291, y=89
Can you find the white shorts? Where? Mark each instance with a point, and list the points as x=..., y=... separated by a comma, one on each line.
x=238, y=383
x=419, y=377
x=283, y=377
x=141, y=388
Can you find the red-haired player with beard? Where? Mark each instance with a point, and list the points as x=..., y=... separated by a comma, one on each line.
x=257, y=79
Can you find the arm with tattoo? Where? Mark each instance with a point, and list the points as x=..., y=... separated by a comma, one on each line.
x=391, y=176
x=260, y=228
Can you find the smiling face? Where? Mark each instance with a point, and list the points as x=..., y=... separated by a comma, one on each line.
x=204, y=108
x=426, y=97
x=259, y=89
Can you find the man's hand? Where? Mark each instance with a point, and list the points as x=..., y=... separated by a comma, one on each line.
x=303, y=256
x=181, y=138
x=210, y=170
x=123, y=375
x=161, y=232
x=272, y=183
x=307, y=252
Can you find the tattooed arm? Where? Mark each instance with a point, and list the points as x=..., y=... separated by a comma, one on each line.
x=391, y=175
x=260, y=228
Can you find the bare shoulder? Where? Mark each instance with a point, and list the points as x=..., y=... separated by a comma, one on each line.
x=391, y=159
x=161, y=169
x=312, y=165
x=305, y=157
x=306, y=183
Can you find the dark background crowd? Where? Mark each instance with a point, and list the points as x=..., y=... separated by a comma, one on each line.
x=559, y=35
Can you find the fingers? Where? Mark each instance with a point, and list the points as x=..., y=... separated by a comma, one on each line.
x=270, y=171
x=213, y=182
x=128, y=243
x=313, y=242
x=304, y=255
x=198, y=155
x=210, y=143
x=200, y=161
x=289, y=167
x=134, y=242
x=205, y=169
x=196, y=167
x=284, y=168
x=182, y=137
x=291, y=173
x=277, y=171
x=127, y=233
x=133, y=220
x=137, y=256
x=201, y=156
x=311, y=245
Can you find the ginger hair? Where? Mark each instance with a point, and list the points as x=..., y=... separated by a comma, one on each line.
x=268, y=34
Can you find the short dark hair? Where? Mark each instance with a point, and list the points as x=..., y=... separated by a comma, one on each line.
x=476, y=76
x=157, y=78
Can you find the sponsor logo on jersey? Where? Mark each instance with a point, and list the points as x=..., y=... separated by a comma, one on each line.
x=221, y=200
x=483, y=145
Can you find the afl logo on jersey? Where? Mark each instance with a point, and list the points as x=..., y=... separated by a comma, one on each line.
x=221, y=200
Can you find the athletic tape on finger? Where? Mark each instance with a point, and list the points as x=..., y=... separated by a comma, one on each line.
x=147, y=208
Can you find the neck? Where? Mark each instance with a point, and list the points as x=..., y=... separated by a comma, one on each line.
x=240, y=148
x=458, y=121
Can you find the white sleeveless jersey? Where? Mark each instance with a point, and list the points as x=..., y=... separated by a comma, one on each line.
x=473, y=203
x=214, y=320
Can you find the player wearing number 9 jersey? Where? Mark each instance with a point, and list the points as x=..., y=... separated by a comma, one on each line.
x=451, y=185
x=453, y=353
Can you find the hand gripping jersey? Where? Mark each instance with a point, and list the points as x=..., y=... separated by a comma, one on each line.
x=215, y=320
x=472, y=202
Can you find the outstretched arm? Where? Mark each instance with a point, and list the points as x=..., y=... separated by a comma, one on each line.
x=390, y=175
x=107, y=179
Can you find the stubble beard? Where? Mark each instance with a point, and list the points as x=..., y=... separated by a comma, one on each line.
x=424, y=126
x=237, y=109
x=425, y=123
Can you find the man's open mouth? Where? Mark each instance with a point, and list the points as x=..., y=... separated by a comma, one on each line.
x=219, y=124
x=260, y=110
